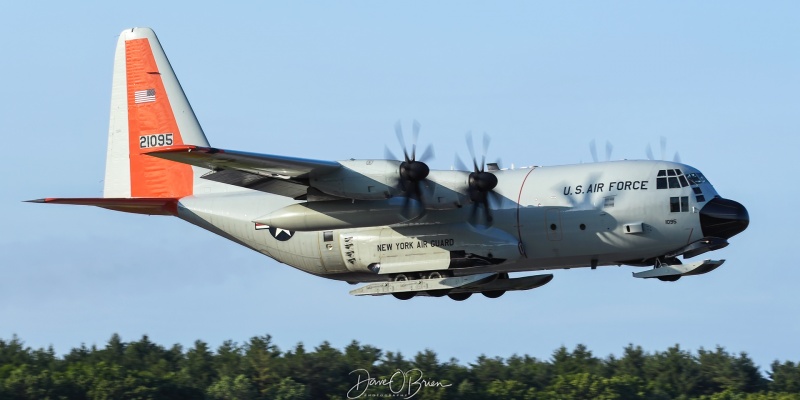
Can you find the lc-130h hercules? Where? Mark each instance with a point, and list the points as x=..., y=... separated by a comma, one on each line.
x=398, y=226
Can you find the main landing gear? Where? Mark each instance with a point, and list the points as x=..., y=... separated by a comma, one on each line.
x=459, y=296
x=667, y=262
x=430, y=275
x=459, y=288
x=671, y=269
x=402, y=295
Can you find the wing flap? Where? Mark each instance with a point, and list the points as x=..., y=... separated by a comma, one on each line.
x=248, y=180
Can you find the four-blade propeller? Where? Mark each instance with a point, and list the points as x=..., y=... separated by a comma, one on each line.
x=649, y=151
x=481, y=182
x=593, y=150
x=413, y=172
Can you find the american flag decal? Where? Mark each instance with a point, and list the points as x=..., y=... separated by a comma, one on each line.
x=144, y=96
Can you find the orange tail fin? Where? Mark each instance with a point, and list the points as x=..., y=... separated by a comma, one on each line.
x=148, y=110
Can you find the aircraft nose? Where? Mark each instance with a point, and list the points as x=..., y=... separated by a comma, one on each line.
x=723, y=218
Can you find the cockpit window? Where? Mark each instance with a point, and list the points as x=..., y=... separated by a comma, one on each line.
x=674, y=179
x=673, y=182
x=696, y=178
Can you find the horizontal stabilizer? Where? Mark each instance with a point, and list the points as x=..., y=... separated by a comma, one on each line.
x=136, y=205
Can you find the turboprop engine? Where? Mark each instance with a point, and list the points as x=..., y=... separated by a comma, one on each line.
x=383, y=179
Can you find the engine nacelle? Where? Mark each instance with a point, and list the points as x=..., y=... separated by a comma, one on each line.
x=361, y=180
x=379, y=180
x=446, y=190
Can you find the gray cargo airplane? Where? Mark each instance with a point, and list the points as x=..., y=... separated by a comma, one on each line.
x=396, y=225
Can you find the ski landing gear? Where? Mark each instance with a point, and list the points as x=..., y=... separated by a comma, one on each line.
x=670, y=270
x=458, y=288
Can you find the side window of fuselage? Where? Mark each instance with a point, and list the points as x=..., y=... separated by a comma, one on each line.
x=679, y=204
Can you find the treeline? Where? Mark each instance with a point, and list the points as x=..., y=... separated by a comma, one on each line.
x=257, y=369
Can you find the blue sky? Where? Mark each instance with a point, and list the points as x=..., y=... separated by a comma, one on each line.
x=719, y=80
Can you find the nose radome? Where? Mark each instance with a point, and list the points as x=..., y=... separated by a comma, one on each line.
x=723, y=218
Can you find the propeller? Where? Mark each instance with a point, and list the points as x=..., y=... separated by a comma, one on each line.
x=413, y=171
x=593, y=150
x=649, y=151
x=481, y=182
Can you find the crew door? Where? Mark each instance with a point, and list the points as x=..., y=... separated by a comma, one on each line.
x=553, y=224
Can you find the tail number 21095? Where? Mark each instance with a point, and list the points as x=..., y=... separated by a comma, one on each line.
x=157, y=140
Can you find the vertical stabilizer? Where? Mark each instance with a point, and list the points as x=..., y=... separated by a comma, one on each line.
x=148, y=110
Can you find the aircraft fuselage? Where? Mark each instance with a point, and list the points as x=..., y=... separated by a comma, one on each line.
x=583, y=215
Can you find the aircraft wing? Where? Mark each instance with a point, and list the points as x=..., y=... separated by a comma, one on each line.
x=281, y=175
x=268, y=165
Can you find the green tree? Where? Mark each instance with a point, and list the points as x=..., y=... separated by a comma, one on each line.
x=228, y=360
x=721, y=372
x=673, y=373
x=533, y=372
x=198, y=368
x=506, y=390
x=393, y=361
x=261, y=362
x=298, y=364
x=358, y=356
x=466, y=390
x=258, y=370
x=428, y=363
x=632, y=362
x=487, y=370
x=579, y=360
x=785, y=377
x=626, y=387
x=114, y=351
x=232, y=388
x=288, y=389
x=328, y=373
x=142, y=355
x=581, y=386
x=14, y=353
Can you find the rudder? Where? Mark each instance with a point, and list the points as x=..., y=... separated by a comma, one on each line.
x=149, y=110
